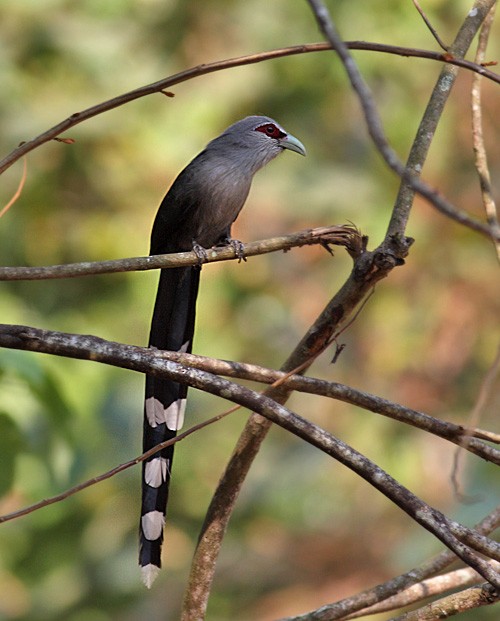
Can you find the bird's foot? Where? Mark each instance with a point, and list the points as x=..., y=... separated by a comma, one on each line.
x=200, y=252
x=238, y=248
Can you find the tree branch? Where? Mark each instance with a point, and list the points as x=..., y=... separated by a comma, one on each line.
x=346, y=608
x=481, y=159
x=410, y=174
x=346, y=235
x=454, y=604
x=423, y=590
x=241, y=61
x=155, y=362
x=451, y=533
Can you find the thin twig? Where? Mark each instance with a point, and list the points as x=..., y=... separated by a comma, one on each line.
x=206, y=68
x=481, y=159
x=431, y=28
x=114, y=471
x=475, y=415
x=19, y=189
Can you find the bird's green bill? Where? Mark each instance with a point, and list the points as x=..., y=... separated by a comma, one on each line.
x=293, y=144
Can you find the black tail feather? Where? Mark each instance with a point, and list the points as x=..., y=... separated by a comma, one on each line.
x=172, y=329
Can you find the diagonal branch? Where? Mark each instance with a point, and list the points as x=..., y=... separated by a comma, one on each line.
x=431, y=28
x=364, y=601
x=110, y=473
x=437, y=585
x=410, y=174
x=461, y=540
x=456, y=603
x=155, y=362
x=369, y=268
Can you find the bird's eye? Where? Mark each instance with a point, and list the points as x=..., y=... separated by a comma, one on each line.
x=270, y=130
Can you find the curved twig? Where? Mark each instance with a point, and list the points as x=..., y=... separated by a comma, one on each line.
x=199, y=70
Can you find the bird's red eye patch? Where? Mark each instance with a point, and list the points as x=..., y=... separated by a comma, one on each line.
x=270, y=130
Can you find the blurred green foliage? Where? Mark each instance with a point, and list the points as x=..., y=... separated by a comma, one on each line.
x=306, y=531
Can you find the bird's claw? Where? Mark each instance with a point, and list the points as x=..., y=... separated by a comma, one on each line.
x=238, y=248
x=200, y=252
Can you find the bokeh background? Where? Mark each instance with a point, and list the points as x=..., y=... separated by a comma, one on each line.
x=306, y=531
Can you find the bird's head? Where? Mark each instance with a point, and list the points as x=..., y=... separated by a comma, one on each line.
x=254, y=141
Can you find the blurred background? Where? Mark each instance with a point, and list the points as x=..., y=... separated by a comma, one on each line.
x=306, y=530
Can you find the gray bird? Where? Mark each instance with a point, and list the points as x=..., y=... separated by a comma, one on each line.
x=196, y=213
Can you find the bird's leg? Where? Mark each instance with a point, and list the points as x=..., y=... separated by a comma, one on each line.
x=200, y=252
x=236, y=245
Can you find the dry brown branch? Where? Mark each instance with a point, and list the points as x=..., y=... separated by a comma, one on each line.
x=347, y=236
x=410, y=176
x=437, y=585
x=347, y=608
x=455, y=604
x=464, y=542
x=481, y=159
x=148, y=360
x=199, y=70
x=431, y=28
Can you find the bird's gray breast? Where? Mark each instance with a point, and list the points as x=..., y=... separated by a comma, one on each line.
x=224, y=189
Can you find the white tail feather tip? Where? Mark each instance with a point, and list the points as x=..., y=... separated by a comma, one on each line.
x=149, y=573
x=152, y=524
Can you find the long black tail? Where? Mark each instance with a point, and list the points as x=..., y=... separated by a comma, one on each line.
x=172, y=329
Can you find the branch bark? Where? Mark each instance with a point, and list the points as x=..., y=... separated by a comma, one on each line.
x=454, y=604
x=156, y=362
x=200, y=70
x=346, y=235
x=464, y=542
x=362, y=602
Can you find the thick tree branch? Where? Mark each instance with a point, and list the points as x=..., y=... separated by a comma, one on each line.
x=449, y=532
x=147, y=360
